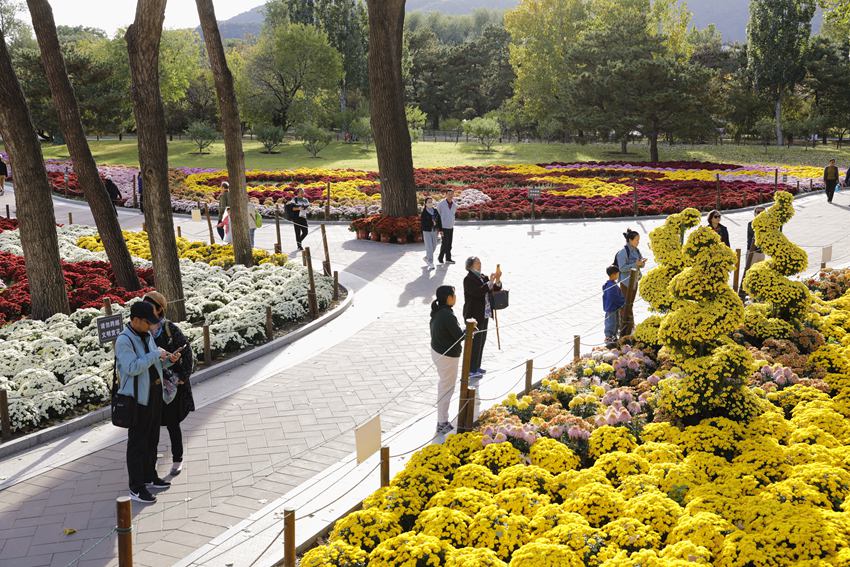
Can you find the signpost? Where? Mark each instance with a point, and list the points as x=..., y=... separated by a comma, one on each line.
x=109, y=327
x=533, y=195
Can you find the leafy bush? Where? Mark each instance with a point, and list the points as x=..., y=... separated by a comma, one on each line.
x=270, y=136
x=202, y=134
x=362, y=130
x=315, y=139
x=415, y=121
x=485, y=130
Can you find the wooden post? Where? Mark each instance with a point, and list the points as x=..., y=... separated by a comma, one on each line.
x=269, y=323
x=469, y=418
x=144, y=227
x=385, y=467
x=135, y=193
x=464, y=375
x=776, y=179
x=179, y=232
x=8, y=212
x=532, y=210
x=209, y=224
x=207, y=347
x=311, y=294
x=798, y=186
x=289, y=538
x=718, y=192
x=823, y=265
x=529, y=370
x=737, y=275
x=336, y=286
x=326, y=265
x=107, y=306
x=278, y=246
x=328, y=203
x=5, y=422
x=70, y=218
x=480, y=213
x=124, y=528
x=636, y=198
x=811, y=184
x=576, y=348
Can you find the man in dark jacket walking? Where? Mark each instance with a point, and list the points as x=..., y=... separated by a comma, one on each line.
x=830, y=179
x=477, y=304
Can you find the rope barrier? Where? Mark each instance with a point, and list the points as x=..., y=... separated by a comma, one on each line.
x=87, y=551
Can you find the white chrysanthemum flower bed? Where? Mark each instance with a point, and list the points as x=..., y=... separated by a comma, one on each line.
x=52, y=367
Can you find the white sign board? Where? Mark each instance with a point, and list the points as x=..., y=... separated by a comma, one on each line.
x=826, y=254
x=196, y=215
x=367, y=437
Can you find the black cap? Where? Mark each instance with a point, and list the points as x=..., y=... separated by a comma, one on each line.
x=144, y=310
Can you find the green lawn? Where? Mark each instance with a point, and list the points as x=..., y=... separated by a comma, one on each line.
x=444, y=154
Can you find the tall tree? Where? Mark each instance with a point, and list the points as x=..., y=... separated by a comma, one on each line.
x=232, y=128
x=33, y=197
x=778, y=34
x=68, y=111
x=389, y=123
x=143, y=38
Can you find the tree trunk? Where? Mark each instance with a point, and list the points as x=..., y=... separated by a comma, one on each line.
x=389, y=124
x=778, y=118
x=653, y=147
x=33, y=197
x=232, y=129
x=143, y=38
x=72, y=128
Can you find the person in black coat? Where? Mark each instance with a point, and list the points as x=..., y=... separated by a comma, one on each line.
x=477, y=304
x=169, y=337
x=722, y=231
x=4, y=173
x=113, y=192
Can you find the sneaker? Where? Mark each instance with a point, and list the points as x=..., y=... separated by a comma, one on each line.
x=481, y=371
x=443, y=428
x=143, y=496
x=176, y=468
x=158, y=483
x=431, y=267
x=450, y=262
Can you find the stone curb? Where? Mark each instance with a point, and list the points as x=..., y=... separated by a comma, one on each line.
x=103, y=414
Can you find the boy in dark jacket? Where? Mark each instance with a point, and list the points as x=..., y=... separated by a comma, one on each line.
x=612, y=301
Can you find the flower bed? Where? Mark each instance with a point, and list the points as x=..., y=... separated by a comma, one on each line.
x=629, y=458
x=57, y=367
x=576, y=190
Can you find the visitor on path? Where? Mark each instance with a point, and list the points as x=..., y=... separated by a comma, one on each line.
x=477, y=304
x=446, y=210
x=141, y=200
x=296, y=210
x=255, y=221
x=223, y=205
x=446, y=335
x=177, y=387
x=626, y=260
x=4, y=173
x=846, y=178
x=429, y=220
x=612, y=301
x=113, y=192
x=830, y=179
x=754, y=253
x=722, y=231
x=139, y=364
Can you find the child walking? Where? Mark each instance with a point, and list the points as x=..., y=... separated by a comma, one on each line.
x=612, y=301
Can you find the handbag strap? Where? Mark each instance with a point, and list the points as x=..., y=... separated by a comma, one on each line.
x=115, y=375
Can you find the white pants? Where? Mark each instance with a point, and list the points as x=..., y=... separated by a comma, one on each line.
x=447, y=371
x=430, y=238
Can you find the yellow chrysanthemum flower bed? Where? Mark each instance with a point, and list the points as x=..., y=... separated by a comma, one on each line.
x=213, y=254
x=730, y=473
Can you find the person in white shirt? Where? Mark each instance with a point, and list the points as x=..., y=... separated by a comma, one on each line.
x=297, y=211
x=446, y=209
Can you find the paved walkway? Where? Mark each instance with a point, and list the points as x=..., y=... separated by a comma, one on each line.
x=255, y=443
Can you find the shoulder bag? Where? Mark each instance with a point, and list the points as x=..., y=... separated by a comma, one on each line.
x=123, y=406
x=501, y=299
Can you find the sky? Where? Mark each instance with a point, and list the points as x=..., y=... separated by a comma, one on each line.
x=110, y=15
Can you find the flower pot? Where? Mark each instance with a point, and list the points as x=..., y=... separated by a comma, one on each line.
x=418, y=238
x=385, y=238
x=375, y=236
x=402, y=239
x=362, y=235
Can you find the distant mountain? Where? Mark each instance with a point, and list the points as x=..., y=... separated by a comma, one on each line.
x=729, y=16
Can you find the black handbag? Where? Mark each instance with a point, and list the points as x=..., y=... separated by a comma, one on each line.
x=123, y=406
x=501, y=299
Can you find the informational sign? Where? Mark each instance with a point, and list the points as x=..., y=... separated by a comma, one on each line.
x=826, y=256
x=367, y=437
x=534, y=193
x=196, y=215
x=785, y=178
x=109, y=327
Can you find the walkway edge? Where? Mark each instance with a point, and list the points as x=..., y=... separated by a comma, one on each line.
x=57, y=431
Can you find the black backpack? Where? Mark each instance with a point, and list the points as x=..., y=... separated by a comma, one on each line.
x=628, y=256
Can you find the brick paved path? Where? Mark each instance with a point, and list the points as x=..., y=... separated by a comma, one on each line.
x=238, y=449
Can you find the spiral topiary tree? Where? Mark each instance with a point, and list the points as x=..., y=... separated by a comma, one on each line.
x=780, y=304
x=665, y=242
x=705, y=311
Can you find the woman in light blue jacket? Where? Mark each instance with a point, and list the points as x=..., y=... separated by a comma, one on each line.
x=627, y=259
x=138, y=365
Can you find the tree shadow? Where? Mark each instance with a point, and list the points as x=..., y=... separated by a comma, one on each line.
x=424, y=286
